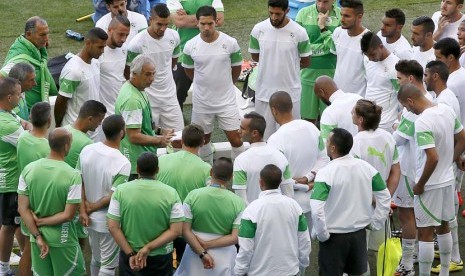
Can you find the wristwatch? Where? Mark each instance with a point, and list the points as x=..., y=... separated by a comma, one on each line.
x=36, y=235
x=133, y=253
x=201, y=255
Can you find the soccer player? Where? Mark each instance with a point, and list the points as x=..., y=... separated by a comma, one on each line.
x=349, y=55
x=319, y=20
x=183, y=15
x=49, y=196
x=436, y=129
x=133, y=104
x=112, y=62
x=215, y=59
x=99, y=181
x=340, y=105
x=145, y=248
x=448, y=19
x=162, y=45
x=213, y=216
x=461, y=39
x=381, y=78
x=343, y=244
x=25, y=74
x=422, y=39
x=118, y=7
x=391, y=33
x=278, y=42
x=36, y=138
x=80, y=78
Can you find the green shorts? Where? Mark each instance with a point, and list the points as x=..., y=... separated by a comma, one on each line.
x=59, y=261
x=81, y=230
x=310, y=106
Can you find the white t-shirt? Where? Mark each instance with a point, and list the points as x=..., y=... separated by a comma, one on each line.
x=350, y=70
x=382, y=88
x=162, y=92
x=423, y=57
x=462, y=60
x=138, y=24
x=79, y=82
x=456, y=83
x=280, y=52
x=450, y=30
x=377, y=148
x=102, y=168
x=112, y=64
x=339, y=113
x=448, y=97
x=401, y=48
x=435, y=128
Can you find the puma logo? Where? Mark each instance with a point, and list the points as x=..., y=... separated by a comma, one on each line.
x=380, y=154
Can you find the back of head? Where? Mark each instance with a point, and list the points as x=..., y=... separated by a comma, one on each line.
x=139, y=62
x=20, y=71
x=426, y=22
x=160, y=10
x=96, y=34
x=7, y=87
x=206, y=11
x=112, y=126
x=342, y=140
x=326, y=84
x=397, y=14
x=257, y=122
x=448, y=46
x=369, y=41
x=409, y=91
x=440, y=68
x=356, y=5
x=58, y=139
x=281, y=101
x=119, y=19
x=147, y=164
x=92, y=108
x=193, y=136
x=271, y=176
x=32, y=22
x=410, y=68
x=222, y=169
x=283, y=4
x=370, y=112
x=40, y=114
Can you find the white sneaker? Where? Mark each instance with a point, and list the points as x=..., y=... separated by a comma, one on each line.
x=14, y=259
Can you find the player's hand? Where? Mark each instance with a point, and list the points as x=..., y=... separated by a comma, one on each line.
x=462, y=50
x=322, y=18
x=443, y=22
x=203, y=243
x=181, y=12
x=208, y=262
x=141, y=257
x=36, y=219
x=460, y=163
x=301, y=180
x=133, y=263
x=167, y=131
x=418, y=189
x=26, y=125
x=43, y=246
x=165, y=139
x=84, y=218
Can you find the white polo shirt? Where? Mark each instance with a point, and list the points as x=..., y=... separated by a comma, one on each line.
x=138, y=24
x=112, y=64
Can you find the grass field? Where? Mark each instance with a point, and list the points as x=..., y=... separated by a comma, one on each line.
x=240, y=17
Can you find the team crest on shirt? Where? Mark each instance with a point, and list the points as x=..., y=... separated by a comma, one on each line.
x=292, y=35
x=172, y=42
x=133, y=25
x=224, y=46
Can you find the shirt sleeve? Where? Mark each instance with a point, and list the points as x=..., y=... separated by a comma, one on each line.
x=317, y=203
x=13, y=130
x=133, y=52
x=254, y=45
x=187, y=61
x=174, y=5
x=74, y=190
x=132, y=113
x=304, y=44
x=246, y=235
x=177, y=212
x=424, y=135
x=239, y=176
x=114, y=207
x=218, y=5
x=305, y=245
x=236, y=55
x=383, y=202
x=22, y=186
x=177, y=49
x=70, y=79
x=326, y=126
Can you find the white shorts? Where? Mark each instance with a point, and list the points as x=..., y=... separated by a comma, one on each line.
x=434, y=206
x=227, y=120
x=104, y=251
x=169, y=116
x=403, y=197
x=263, y=108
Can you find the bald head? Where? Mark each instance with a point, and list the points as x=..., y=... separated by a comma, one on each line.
x=281, y=101
x=58, y=139
x=324, y=88
x=409, y=91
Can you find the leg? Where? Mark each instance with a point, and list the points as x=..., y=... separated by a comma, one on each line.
x=108, y=255
x=183, y=83
x=25, y=262
x=67, y=261
x=161, y=265
x=6, y=240
x=10, y=222
x=230, y=122
x=20, y=238
x=170, y=117
x=206, y=122
x=41, y=266
x=95, y=262
x=357, y=255
x=333, y=254
x=205, y=151
x=445, y=246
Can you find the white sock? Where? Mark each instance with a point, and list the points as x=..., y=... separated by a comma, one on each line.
x=425, y=257
x=445, y=248
x=235, y=151
x=206, y=153
x=455, y=254
x=4, y=267
x=408, y=248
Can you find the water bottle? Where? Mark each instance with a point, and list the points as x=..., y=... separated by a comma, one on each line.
x=74, y=35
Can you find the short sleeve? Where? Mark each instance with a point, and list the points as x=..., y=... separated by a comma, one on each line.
x=218, y=5
x=187, y=211
x=177, y=48
x=187, y=61
x=114, y=207
x=22, y=186
x=132, y=113
x=457, y=126
x=236, y=55
x=70, y=79
x=12, y=130
x=424, y=135
x=74, y=190
x=254, y=45
x=239, y=176
x=303, y=45
x=174, y=5
x=177, y=212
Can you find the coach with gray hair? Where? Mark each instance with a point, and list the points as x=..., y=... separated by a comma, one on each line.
x=25, y=74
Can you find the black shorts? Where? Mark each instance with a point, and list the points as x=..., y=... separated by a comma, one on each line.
x=160, y=265
x=9, y=209
x=344, y=253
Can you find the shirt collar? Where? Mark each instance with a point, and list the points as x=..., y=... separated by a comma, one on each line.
x=336, y=95
x=258, y=144
x=269, y=192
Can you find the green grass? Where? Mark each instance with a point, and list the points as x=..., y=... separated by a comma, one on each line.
x=240, y=17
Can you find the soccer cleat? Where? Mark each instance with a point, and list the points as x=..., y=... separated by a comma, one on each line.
x=453, y=266
x=402, y=271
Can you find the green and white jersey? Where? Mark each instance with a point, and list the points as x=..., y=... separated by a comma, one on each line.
x=79, y=82
x=134, y=106
x=378, y=148
x=401, y=48
x=213, y=88
x=247, y=167
x=80, y=140
x=338, y=114
x=22, y=110
x=26, y=142
x=145, y=209
x=174, y=172
x=382, y=87
x=102, y=168
x=50, y=185
x=435, y=128
x=191, y=7
x=10, y=130
x=138, y=24
x=162, y=91
x=112, y=64
x=278, y=48
x=335, y=212
x=213, y=210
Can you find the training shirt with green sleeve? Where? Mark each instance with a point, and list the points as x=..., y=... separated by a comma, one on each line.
x=50, y=185
x=26, y=142
x=174, y=172
x=134, y=106
x=80, y=140
x=145, y=209
x=138, y=24
x=10, y=130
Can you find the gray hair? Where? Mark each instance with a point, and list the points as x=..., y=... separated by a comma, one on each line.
x=139, y=62
x=32, y=22
x=20, y=71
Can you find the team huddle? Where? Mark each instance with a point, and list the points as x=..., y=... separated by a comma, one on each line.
x=347, y=123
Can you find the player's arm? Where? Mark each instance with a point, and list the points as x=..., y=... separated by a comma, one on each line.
x=183, y=20
x=255, y=56
x=317, y=202
x=137, y=137
x=59, y=111
x=224, y=241
x=459, y=146
x=169, y=235
x=393, y=178
x=118, y=235
x=305, y=245
x=195, y=245
x=189, y=72
x=235, y=73
x=383, y=201
x=304, y=62
x=127, y=72
x=432, y=160
x=83, y=213
x=240, y=183
x=58, y=218
x=440, y=25
x=28, y=219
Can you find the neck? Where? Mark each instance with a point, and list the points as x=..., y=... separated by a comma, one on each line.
x=427, y=45
x=81, y=126
x=356, y=30
x=136, y=85
x=425, y=104
x=40, y=132
x=256, y=140
x=285, y=118
x=109, y=44
x=85, y=56
x=112, y=144
x=191, y=150
x=5, y=107
x=455, y=65
x=146, y=177
x=439, y=88
x=211, y=38
x=286, y=20
x=223, y=184
x=59, y=156
x=385, y=54
x=393, y=38
x=454, y=17
x=153, y=34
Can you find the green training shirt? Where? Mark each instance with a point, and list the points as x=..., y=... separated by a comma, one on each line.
x=26, y=142
x=10, y=130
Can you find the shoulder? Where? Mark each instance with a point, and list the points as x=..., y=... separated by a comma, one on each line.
x=103, y=21
x=136, y=18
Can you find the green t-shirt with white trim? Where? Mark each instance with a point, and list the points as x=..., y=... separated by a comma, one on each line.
x=26, y=142
x=10, y=130
x=80, y=140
